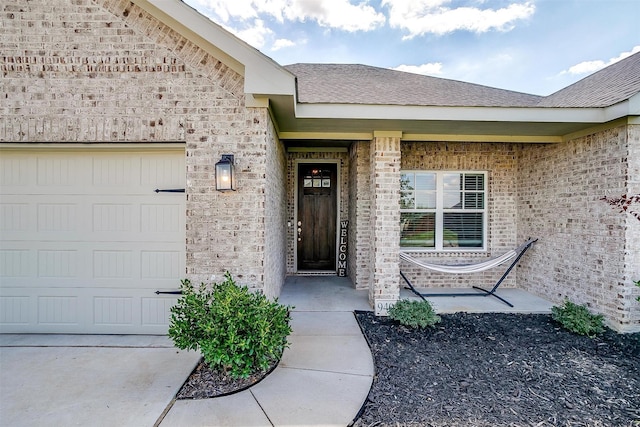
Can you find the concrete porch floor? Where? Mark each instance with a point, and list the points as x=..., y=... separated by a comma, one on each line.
x=332, y=293
x=523, y=301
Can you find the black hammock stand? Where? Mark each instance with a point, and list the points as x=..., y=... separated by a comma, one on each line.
x=519, y=252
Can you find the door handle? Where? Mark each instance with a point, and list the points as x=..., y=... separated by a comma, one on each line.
x=299, y=231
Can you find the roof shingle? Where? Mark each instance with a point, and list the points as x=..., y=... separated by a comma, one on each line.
x=363, y=84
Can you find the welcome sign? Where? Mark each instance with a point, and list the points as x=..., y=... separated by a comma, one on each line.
x=342, y=249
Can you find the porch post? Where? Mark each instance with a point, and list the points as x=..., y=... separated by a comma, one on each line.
x=384, y=288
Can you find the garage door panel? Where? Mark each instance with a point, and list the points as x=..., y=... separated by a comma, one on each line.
x=161, y=265
x=16, y=172
x=58, y=171
x=58, y=310
x=115, y=170
x=92, y=218
x=15, y=216
x=86, y=241
x=59, y=218
x=17, y=263
x=15, y=310
x=103, y=173
x=77, y=311
x=60, y=266
x=60, y=263
x=150, y=286
x=158, y=170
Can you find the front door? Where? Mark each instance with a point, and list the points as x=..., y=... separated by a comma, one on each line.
x=316, y=227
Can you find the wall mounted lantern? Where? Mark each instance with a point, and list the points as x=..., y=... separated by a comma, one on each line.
x=225, y=179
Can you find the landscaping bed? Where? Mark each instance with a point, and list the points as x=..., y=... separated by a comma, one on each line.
x=499, y=370
x=204, y=382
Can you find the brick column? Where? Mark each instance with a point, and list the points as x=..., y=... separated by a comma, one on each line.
x=385, y=219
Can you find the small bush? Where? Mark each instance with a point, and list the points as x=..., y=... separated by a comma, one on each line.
x=415, y=314
x=637, y=283
x=578, y=319
x=234, y=329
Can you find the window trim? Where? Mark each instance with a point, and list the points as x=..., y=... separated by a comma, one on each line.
x=440, y=210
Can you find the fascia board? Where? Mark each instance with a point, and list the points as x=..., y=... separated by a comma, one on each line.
x=482, y=114
x=634, y=105
x=618, y=110
x=262, y=75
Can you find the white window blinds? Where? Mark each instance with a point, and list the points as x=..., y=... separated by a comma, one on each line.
x=443, y=210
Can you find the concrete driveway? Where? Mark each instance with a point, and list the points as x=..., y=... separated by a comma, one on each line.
x=88, y=380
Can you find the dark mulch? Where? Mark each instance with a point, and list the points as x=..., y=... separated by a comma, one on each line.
x=499, y=370
x=205, y=382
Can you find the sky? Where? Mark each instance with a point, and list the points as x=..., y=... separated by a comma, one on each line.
x=532, y=46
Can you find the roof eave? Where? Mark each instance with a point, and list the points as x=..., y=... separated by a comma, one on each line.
x=479, y=114
x=306, y=122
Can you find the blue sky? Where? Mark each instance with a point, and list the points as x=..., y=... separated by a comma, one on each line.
x=533, y=46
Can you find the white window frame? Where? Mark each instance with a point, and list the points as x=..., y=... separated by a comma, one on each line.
x=440, y=210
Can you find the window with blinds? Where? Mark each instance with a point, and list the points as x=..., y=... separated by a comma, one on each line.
x=443, y=210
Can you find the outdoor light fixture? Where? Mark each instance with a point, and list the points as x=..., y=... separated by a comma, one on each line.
x=225, y=181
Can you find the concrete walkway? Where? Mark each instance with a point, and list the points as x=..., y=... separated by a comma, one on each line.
x=109, y=380
x=115, y=380
x=323, y=377
x=88, y=380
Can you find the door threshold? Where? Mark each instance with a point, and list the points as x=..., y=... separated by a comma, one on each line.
x=315, y=273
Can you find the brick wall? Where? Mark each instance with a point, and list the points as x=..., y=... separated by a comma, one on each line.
x=77, y=71
x=632, y=249
x=583, y=253
x=499, y=160
x=360, y=214
x=275, y=242
x=106, y=72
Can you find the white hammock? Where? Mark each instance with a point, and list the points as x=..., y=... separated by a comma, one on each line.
x=468, y=268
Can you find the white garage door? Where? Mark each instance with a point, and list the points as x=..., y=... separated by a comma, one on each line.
x=86, y=241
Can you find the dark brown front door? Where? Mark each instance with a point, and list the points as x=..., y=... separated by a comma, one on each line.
x=316, y=227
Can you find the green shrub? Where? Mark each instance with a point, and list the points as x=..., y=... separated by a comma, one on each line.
x=578, y=319
x=637, y=283
x=415, y=314
x=235, y=330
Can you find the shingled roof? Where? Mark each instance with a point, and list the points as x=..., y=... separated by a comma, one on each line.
x=362, y=84
x=616, y=83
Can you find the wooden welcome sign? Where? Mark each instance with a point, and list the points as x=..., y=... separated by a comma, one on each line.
x=342, y=249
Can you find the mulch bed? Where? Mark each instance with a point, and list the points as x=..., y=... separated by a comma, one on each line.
x=499, y=370
x=204, y=382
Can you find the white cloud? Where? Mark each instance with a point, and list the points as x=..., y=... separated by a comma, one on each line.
x=225, y=10
x=588, y=67
x=338, y=14
x=420, y=17
x=255, y=35
x=282, y=43
x=434, y=68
